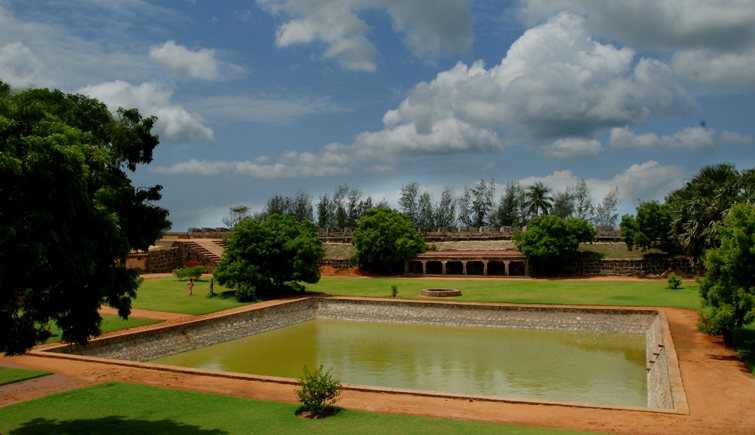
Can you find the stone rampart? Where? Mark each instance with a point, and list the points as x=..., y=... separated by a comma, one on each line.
x=164, y=260
x=629, y=266
x=336, y=264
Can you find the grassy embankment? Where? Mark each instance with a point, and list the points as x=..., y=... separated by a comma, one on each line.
x=118, y=408
x=9, y=375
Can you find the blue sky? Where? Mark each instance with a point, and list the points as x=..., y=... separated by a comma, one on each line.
x=266, y=97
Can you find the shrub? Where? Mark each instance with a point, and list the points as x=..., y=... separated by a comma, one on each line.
x=674, y=281
x=394, y=290
x=246, y=292
x=319, y=391
x=189, y=272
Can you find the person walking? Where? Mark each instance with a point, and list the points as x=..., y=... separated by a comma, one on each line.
x=191, y=286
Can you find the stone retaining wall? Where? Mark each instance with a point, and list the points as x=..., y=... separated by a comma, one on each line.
x=337, y=264
x=168, y=340
x=164, y=260
x=630, y=266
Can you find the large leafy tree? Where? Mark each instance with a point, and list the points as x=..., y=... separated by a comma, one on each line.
x=551, y=240
x=69, y=212
x=263, y=255
x=702, y=203
x=729, y=284
x=651, y=225
x=384, y=236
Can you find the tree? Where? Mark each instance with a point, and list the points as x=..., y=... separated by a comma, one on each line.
x=69, y=213
x=425, y=218
x=263, y=255
x=605, y=213
x=236, y=215
x=476, y=204
x=408, y=201
x=445, y=211
x=326, y=214
x=729, y=284
x=563, y=204
x=701, y=204
x=652, y=224
x=551, y=240
x=385, y=236
x=583, y=208
x=538, y=199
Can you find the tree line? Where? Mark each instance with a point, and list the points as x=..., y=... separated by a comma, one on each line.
x=476, y=206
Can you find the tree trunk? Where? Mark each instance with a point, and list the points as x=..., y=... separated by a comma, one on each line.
x=728, y=338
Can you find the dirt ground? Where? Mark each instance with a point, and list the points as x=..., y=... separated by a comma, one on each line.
x=720, y=392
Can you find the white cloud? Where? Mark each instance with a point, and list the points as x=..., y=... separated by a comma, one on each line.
x=431, y=27
x=691, y=138
x=671, y=24
x=573, y=147
x=263, y=108
x=647, y=181
x=19, y=67
x=290, y=165
x=713, y=68
x=737, y=138
x=714, y=42
x=181, y=61
x=174, y=123
x=554, y=82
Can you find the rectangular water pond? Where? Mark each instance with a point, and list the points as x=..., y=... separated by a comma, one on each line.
x=592, y=356
x=592, y=367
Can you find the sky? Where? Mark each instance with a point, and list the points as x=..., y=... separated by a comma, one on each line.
x=268, y=97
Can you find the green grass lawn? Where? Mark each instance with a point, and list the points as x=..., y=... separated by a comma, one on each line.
x=109, y=323
x=119, y=408
x=172, y=296
x=637, y=293
x=9, y=375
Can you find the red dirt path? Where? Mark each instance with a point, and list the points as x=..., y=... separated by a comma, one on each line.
x=720, y=392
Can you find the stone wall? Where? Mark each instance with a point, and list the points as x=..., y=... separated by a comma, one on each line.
x=171, y=339
x=628, y=266
x=336, y=264
x=164, y=260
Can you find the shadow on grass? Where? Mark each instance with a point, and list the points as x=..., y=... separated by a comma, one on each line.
x=110, y=426
x=744, y=340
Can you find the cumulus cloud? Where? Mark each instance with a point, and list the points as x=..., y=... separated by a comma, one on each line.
x=671, y=24
x=430, y=27
x=19, y=67
x=737, y=138
x=714, y=42
x=181, y=61
x=174, y=123
x=263, y=108
x=554, y=82
x=649, y=180
x=573, y=147
x=691, y=138
x=713, y=68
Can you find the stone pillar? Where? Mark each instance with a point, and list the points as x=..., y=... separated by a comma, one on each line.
x=464, y=267
x=507, y=267
x=424, y=267
x=443, y=262
x=485, y=267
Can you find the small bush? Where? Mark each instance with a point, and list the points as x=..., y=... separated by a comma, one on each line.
x=246, y=292
x=432, y=247
x=319, y=391
x=189, y=272
x=674, y=281
x=394, y=290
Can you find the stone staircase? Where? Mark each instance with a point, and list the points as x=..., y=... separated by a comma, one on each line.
x=208, y=252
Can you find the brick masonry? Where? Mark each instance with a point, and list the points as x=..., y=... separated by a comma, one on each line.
x=168, y=340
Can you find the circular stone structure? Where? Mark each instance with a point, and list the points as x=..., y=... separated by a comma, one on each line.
x=441, y=292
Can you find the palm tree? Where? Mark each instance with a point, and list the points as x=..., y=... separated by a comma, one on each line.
x=537, y=199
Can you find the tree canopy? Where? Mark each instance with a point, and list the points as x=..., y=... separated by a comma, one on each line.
x=653, y=223
x=69, y=212
x=552, y=240
x=729, y=284
x=384, y=236
x=263, y=255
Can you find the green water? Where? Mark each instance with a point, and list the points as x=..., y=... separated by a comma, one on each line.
x=552, y=365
